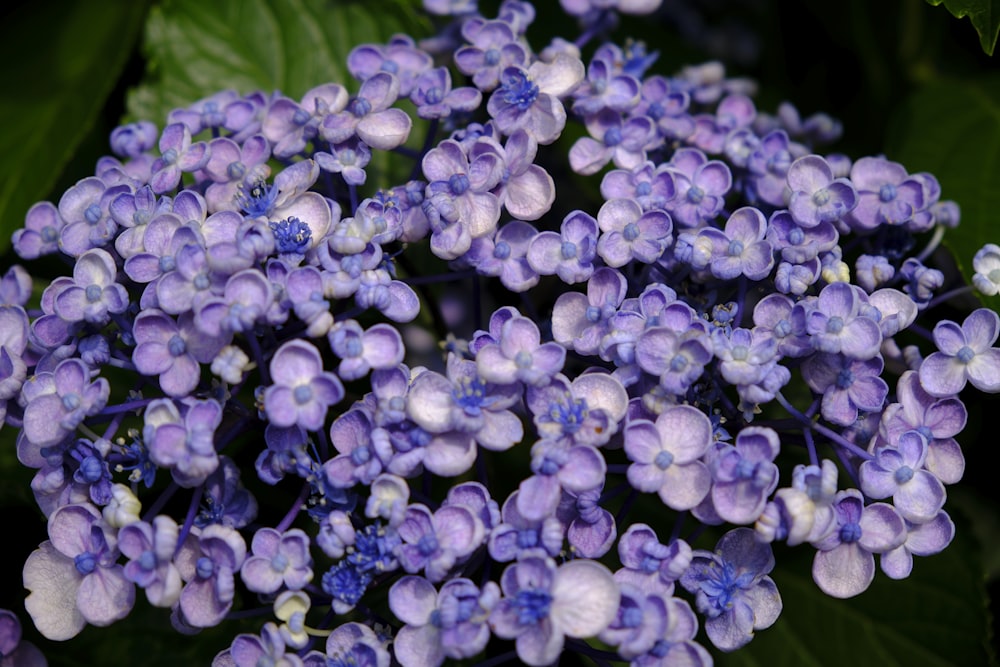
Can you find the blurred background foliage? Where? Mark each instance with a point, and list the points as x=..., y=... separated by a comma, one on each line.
x=906, y=79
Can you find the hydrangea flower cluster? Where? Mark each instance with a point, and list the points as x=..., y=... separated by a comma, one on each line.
x=231, y=409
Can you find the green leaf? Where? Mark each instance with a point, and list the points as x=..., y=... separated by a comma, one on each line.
x=951, y=128
x=984, y=14
x=936, y=617
x=60, y=67
x=198, y=48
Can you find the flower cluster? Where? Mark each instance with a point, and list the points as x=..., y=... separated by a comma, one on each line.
x=230, y=406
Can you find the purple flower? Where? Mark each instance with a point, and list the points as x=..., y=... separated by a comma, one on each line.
x=73, y=577
x=301, y=391
x=886, y=195
x=897, y=471
x=172, y=351
x=15, y=651
x=582, y=322
x=233, y=165
x=837, y=324
x=177, y=154
x=745, y=357
x=399, y=56
x=351, y=644
x=58, y=401
x=666, y=456
x=804, y=511
x=506, y=256
x=847, y=385
x=606, y=87
x=677, y=359
x=612, y=138
x=268, y=648
x=183, y=444
x=844, y=566
x=438, y=542
x=370, y=116
x=133, y=139
x=648, y=564
x=585, y=411
x=543, y=604
x=739, y=249
x=631, y=234
x=768, y=164
x=435, y=98
x=516, y=533
x=13, y=342
x=41, y=232
x=290, y=126
x=649, y=185
x=557, y=468
x=85, y=210
x=743, y=474
x=208, y=561
x=459, y=197
x=797, y=243
x=150, y=550
x=673, y=625
x=520, y=356
x=701, y=185
x=922, y=539
x=965, y=354
x=348, y=159
x=732, y=588
x=493, y=48
x=465, y=402
x=571, y=253
x=278, y=560
x=817, y=196
x=529, y=99
x=668, y=106
x=590, y=529
x=525, y=189
x=438, y=625
x=94, y=295
x=938, y=420
x=360, y=459
x=380, y=347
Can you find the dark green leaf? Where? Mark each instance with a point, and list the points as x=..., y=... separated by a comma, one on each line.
x=951, y=128
x=938, y=616
x=60, y=67
x=984, y=14
x=198, y=48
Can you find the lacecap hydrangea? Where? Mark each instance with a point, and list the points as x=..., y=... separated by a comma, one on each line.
x=232, y=403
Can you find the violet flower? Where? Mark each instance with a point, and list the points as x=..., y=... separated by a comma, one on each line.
x=542, y=604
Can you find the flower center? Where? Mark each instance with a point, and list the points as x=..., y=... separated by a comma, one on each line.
x=92, y=214
x=458, y=183
x=966, y=354
x=176, y=346
x=532, y=605
x=518, y=90
x=291, y=236
x=303, y=394
x=664, y=460
x=903, y=474
x=850, y=532
x=256, y=200
x=501, y=250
